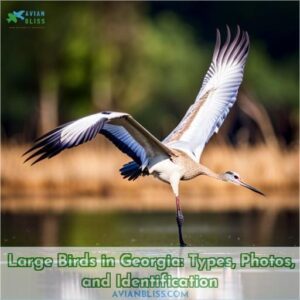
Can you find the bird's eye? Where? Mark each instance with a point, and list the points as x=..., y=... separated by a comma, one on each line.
x=236, y=177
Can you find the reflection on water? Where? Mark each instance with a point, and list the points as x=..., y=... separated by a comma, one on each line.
x=254, y=228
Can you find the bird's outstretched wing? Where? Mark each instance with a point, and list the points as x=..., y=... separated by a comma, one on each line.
x=120, y=128
x=215, y=98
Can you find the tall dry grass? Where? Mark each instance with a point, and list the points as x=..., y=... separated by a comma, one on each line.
x=87, y=179
x=93, y=169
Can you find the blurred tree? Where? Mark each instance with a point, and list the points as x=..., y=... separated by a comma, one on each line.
x=134, y=56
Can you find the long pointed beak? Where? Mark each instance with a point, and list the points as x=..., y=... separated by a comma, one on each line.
x=251, y=188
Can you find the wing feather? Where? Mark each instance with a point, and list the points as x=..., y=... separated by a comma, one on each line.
x=120, y=128
x=215, y=98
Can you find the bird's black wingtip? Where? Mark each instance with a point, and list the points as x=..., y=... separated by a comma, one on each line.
x=26, y=152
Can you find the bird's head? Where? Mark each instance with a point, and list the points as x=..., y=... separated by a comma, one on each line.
x=234, y=178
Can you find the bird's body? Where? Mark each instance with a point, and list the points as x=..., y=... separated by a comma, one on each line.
x=177, y=157
x=179, y=165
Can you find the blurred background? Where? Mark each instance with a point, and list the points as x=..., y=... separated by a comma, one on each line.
x=148, y=59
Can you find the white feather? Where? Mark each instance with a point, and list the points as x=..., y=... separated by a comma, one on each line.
x=214, y=100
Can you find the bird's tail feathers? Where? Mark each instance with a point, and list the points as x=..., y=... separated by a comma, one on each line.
x=132, y=171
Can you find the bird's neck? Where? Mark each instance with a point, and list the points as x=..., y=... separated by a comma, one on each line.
x=203, y=170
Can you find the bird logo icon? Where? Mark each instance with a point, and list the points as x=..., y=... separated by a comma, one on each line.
x=15, y=15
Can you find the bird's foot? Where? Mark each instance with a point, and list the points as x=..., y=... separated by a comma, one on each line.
x=183, y=244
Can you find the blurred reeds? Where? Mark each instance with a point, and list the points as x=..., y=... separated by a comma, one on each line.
x=90, y=173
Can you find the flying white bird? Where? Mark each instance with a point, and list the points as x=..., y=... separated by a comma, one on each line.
x=177, y=156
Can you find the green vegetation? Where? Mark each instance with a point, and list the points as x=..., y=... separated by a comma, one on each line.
x=137, y=57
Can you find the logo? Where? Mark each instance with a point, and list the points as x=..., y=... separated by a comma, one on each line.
x=26, y=18
x=15, y=15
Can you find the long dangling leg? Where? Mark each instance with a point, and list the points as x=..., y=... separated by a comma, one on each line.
x=179, y=220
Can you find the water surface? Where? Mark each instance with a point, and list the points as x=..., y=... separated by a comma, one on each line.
x=253, y=228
